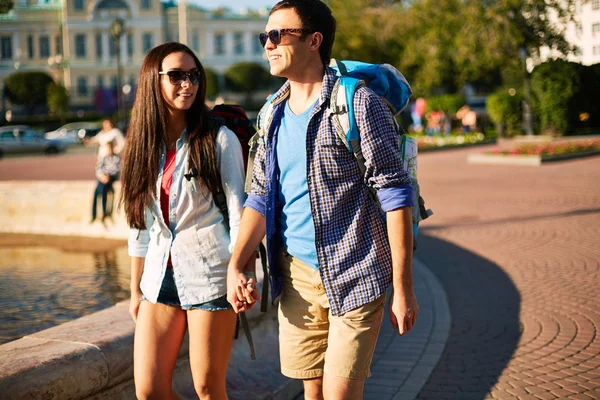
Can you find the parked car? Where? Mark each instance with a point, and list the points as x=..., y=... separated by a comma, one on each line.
x=74, y=132
x=23, y=139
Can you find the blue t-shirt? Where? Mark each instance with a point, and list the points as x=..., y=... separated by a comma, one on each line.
x=297, y=226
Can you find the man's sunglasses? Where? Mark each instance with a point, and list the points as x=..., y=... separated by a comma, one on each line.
x=177, y=77
x=275, y=35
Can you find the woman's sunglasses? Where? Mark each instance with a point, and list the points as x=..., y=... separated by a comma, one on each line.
x=177, y=77
x=275, y=35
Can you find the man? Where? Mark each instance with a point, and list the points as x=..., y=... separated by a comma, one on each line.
x=331, y=256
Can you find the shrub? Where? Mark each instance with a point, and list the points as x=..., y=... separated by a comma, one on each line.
x=246, y=77
x=28, y=88
x=58, y=100
x=505, y=110
x=554, y=84
x=449, y=103
x=212, y=83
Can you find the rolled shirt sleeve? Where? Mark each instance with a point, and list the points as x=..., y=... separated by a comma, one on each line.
x=381, y=150
x=139, y=239
x=231, y=167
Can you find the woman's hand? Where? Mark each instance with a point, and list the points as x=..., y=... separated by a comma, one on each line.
x=242, y=293
x=134, y=304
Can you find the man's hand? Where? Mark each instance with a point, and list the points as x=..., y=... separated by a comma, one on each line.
x=242, y=293
x=403, y=309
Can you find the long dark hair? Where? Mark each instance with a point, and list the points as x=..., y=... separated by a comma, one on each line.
x=148, y=130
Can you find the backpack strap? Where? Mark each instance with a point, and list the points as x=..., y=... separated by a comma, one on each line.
x=344, y=119
x=263, y=122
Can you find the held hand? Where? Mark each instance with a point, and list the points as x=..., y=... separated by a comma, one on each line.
x=134, y=305
x=403, y=309
x=236, y=282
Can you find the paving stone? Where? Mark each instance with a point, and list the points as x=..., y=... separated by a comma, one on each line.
x=500, y=246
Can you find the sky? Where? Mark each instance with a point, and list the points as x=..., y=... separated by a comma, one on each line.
x=235, y=5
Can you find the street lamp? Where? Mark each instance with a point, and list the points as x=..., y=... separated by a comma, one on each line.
x=527, y=118
x=116, y=31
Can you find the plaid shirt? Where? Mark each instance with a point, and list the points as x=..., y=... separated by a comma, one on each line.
x=352, y=244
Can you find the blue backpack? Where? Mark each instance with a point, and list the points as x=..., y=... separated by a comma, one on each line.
x=394, y=90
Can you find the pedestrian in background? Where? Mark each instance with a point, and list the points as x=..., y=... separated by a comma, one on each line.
x=179, y=245
x=109, y=133
x=107, y=172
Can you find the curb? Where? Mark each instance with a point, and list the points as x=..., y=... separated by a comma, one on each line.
x=533, y=160
x=403, y=364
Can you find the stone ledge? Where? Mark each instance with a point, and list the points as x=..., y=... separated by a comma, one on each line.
x=534, y=160
x=92, y=357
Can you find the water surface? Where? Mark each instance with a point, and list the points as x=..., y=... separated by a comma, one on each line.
x=47, y=280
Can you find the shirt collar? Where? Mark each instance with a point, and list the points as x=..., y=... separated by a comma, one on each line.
x=329, y=79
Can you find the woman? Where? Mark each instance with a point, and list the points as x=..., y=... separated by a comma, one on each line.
x=108, y=134
x=179, y=244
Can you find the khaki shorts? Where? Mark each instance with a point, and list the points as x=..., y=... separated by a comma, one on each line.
x=311, y=340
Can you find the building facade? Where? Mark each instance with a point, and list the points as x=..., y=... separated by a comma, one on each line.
x=583, y=33
x=71, y=40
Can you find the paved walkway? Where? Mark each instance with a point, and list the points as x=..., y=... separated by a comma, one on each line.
x=517, y=250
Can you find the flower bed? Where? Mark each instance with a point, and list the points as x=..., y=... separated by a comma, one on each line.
x=451, y=141
x=537, y=154
x=547, y=150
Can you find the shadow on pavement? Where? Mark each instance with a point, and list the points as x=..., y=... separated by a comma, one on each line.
x=485, y=328
x=460, y=220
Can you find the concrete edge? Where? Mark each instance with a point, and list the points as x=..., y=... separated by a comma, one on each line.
x=61, y=363
x=436, y=344
x=531, y=160
x=526, y=159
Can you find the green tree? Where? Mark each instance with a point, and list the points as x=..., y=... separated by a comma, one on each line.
x=441, y=45
x=212, y=83
x=554, y=83
x=449, y=103
x=58, y=100
x=505, y=110
x=6, y=6
x=247, y=77
x=28, y=88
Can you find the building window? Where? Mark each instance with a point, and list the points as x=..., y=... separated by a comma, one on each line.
x=147, y=42
x=30, y=47
x=112, y=46
x=98, y=45
x=596, y=28
x=196, y=42
x=597, y=50
x=238, y=43
x=100, y=81
x=79, y=4
x=219, y=44
x=114, y=83
x=6, y=47
x=258, y=49
x=44, y=46
x=130, y=44
x=595, y=4
x=58, y=44
x=146, y=4
x=577, y=52
x=80, y=50
x=82, y=87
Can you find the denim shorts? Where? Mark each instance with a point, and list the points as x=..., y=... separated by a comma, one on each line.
x=168, y=296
